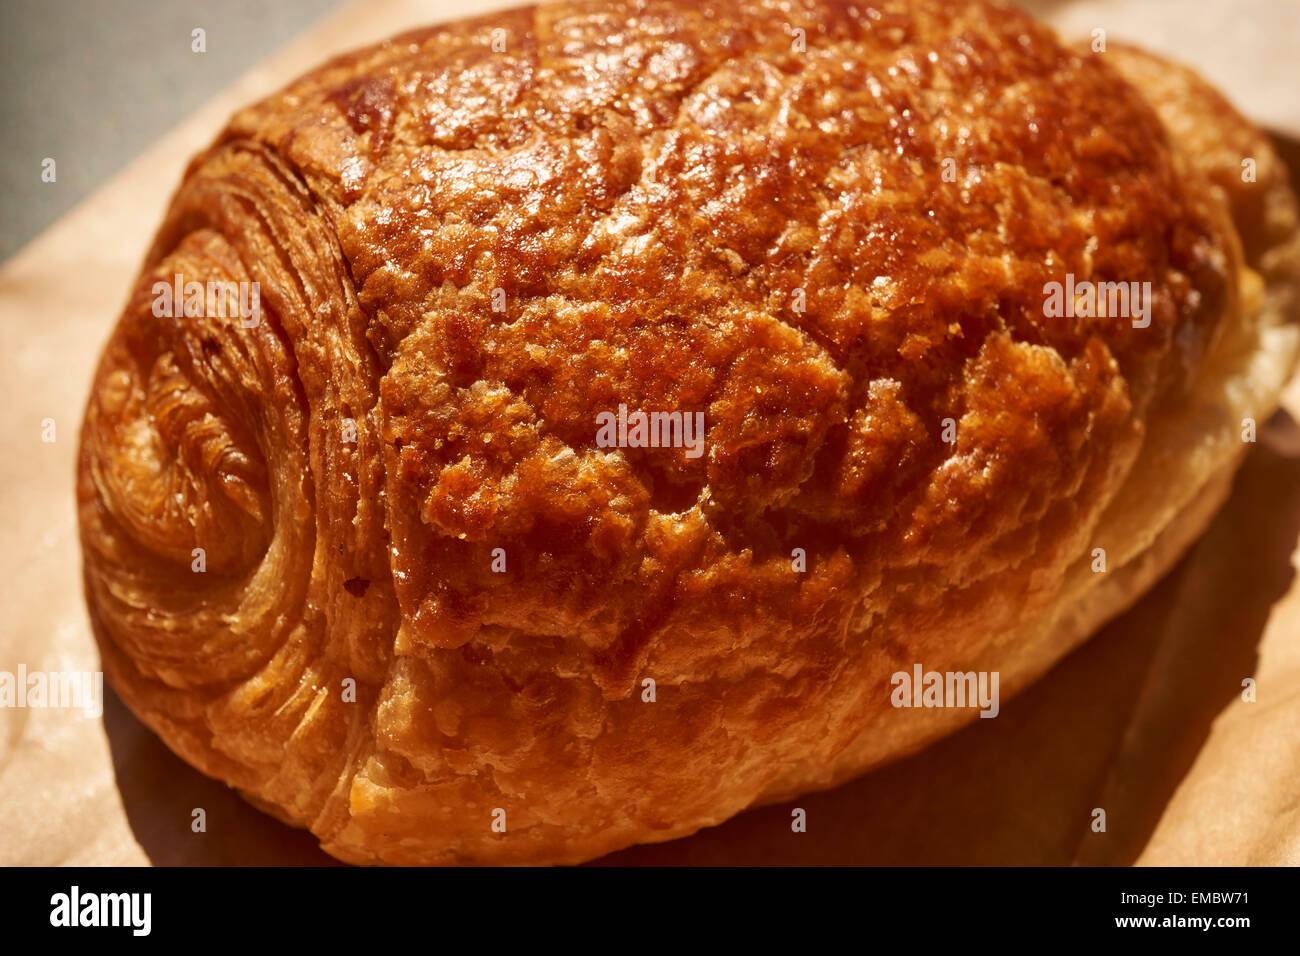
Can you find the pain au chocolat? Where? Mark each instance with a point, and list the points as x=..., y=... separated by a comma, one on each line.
x=357, y=550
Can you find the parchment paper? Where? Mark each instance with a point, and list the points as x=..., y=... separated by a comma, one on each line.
x=1145, y=721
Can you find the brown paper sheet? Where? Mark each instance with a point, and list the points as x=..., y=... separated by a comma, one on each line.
x=1146, y=720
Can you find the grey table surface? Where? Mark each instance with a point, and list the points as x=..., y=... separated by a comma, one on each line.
x=92, y=83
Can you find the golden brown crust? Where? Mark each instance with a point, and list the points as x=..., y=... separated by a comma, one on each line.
x=688, y=207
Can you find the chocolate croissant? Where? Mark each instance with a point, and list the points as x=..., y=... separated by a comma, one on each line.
x=567, y=428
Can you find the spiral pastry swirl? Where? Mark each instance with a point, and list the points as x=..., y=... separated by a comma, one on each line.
x=365, y=557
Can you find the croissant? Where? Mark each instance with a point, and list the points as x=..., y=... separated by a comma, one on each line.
x=566, y=428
